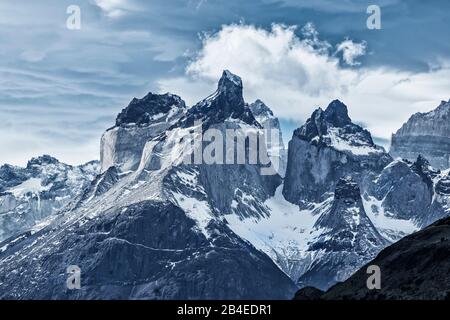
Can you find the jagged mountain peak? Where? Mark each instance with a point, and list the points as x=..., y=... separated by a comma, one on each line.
x=143, y=119
x=347, y=209
x=29, y=195
x=230, y=82
x=443, y=107
x=423, y=168
x=445, y=103
x=149, y=108
x=227, y=102
x=337, y=114
x=275, y=147
x=259, y=108
x=442, y=110
x=333, y=127
x=427, y=134
x=42, y=160
x=422, y=163
x=348, y=237
x=334, y=116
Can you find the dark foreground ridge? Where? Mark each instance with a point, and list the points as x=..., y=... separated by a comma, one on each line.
x=415, y=268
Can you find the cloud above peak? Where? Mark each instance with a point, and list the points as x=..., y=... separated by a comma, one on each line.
x=258, y=54
x=351, y=51
x=293, y=71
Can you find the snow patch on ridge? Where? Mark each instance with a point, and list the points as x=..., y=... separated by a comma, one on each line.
x=284, y=236
x=390, y=228
x=198, y=210
x=357, y=147
x=33, y=185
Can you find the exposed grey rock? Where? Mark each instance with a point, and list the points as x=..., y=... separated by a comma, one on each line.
x=443, y=186
x=121, y=146
x=411, y=191
x=405, y=194
x=101, y=184
x=426, y=134
x=348, y=240
x=224, y=184
x=327, y=147
x=149, y=250
x=159, y=231
x=151, y=226
x=38, y=191
x=227, y=102
x=268, y=121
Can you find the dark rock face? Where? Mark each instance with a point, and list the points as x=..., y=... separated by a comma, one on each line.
x=327, y=147
x=416, y=267
x=347, y=220
x=143, y=119
x=101, y=184
x=443, y=186
x=225, y=184
x=308, y=294
x=11, y=176
x=423, y=168
x=348, y=241
x=143, y=111
x=411, y=191
x=146, y=251
x=406, y=194
x=334, y=116
x=348, y=191
x=40, y=161
x=226, y=103
x=275, y=148
x=426, y=134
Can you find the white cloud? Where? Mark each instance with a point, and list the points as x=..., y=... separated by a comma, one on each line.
x=351, y=50
x=114, y=8
x=294, y=78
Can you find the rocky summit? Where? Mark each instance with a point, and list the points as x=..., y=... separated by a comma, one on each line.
x=327, y=147
x=426, y=134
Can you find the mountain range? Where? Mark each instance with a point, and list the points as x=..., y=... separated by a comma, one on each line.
x=145, y=224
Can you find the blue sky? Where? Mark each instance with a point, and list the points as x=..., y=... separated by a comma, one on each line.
x=60, y=89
